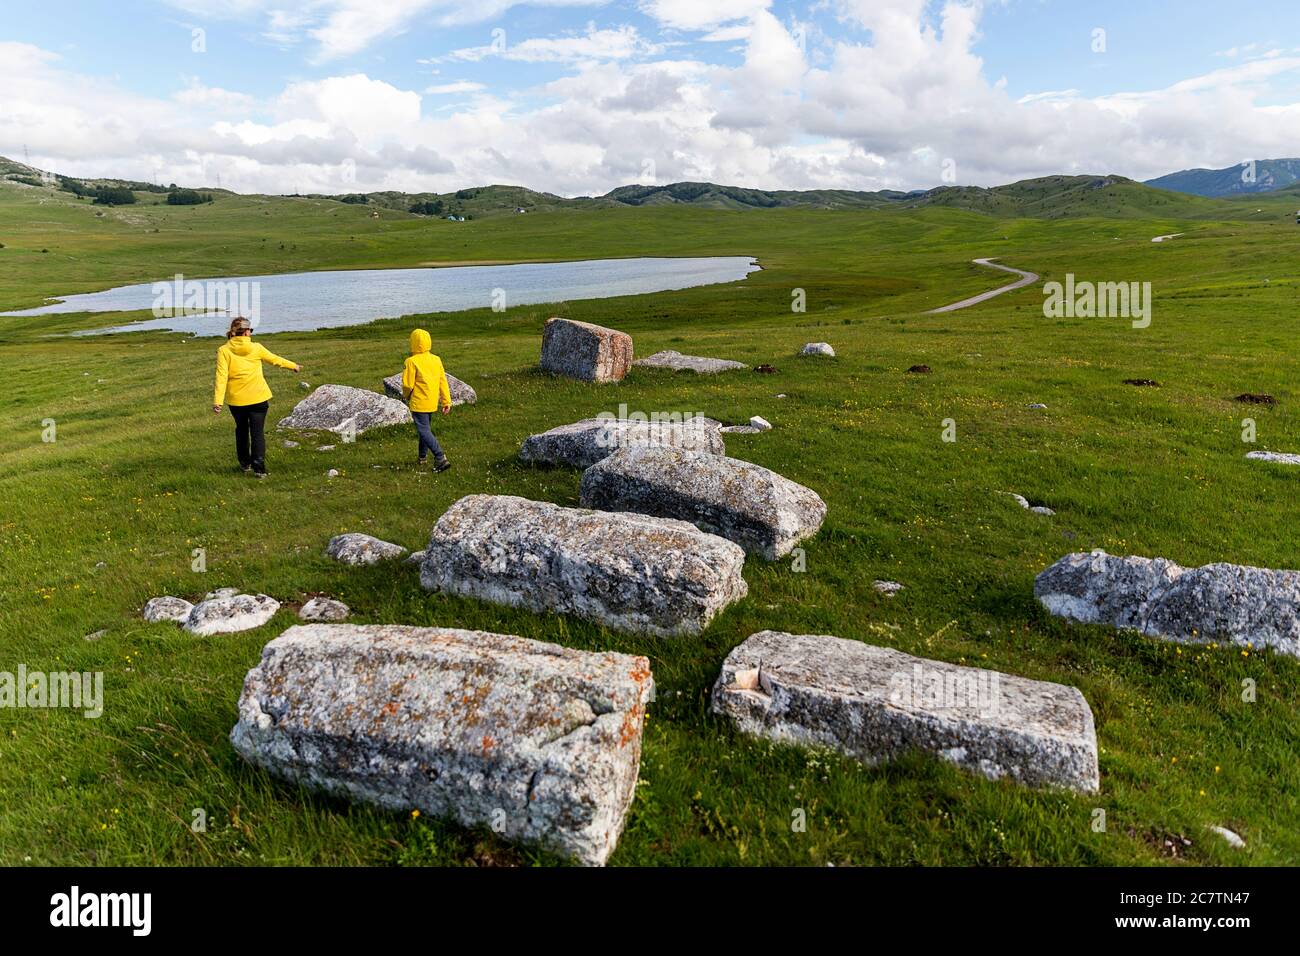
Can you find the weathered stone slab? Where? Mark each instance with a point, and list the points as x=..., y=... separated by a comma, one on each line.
x=461, y=394
x=591, y=353
x=689, y=363
x=540, y=742
x=167, y=608
x=875, y=704
x=1275, y=457
x=230, y=614
x=582, y=444
x=1224, y=603
x=763, y=512
x=356, y=548
x=345, y=410
x=628, y=572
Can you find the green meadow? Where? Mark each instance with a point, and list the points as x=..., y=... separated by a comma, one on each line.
x=142, y=473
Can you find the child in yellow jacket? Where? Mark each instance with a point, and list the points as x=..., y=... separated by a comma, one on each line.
x=240, y=382
x=425, y=389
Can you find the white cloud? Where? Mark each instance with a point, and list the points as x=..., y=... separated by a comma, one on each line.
x=460, y=86
x=700, y=15
x=620, y=43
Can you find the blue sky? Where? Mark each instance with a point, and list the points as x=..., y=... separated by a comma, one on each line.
x=578, y=97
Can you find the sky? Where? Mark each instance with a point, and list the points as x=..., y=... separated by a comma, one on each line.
x=576, y=97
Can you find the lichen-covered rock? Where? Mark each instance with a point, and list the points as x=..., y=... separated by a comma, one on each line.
x=818, y=348
x=875, y=703
x=582, y=444
x=167, y=608
x=628, y=572
x=590, y=353
x=324, y=609
x=345, y=410
x=230, y=614
x=539, y=742
x=763, y=512
x=689, y=363
x=1225, y=603
x=1275, y=457
x=356, y=548
x=461, y=394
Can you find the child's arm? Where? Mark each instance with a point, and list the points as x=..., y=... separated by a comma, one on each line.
x=408, y=380
x=444, y=390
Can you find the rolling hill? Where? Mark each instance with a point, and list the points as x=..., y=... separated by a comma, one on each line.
x=1050, y=197
x=1268, y=175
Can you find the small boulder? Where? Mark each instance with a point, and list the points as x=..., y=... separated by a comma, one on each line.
x=762, y=424
x=220, y=593
x=332, y=473
x=355, y=548
x=1225, y=603
x=167, y=608
x=818, y=348
x=289, y=444
x=324, y=609
x=763, y=512
x=461, y=394
x=589, y=353
x=689, y=363
x=582, y=444
x=629, y=572
x=415, y=557
x=887, y=588
x=538, y=741
x=1024, y=503
x=345, y=410
x=231, y=614
x=875, y=704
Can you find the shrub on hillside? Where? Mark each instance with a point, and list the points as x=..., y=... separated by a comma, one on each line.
x=187, y=197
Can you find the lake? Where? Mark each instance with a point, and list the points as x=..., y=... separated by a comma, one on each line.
x=302, y=301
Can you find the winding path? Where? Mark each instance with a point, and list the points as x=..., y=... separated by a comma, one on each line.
x=1026, y=278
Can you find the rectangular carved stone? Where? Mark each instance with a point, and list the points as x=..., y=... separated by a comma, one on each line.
x=753, y=506
x=582, y=444
x=591, y=353
x=540, y=742
x=874, y=704
x=628, y=572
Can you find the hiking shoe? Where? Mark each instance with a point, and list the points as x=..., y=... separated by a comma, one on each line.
x=246, y=469
x=442, y=465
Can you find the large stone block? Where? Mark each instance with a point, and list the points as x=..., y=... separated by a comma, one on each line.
x=540, y=742
x=1226, y=603
x=875, y=704
x=628, y=572
x=582, y=444
x=345, y=410
x=591, y=353
x=763, y=512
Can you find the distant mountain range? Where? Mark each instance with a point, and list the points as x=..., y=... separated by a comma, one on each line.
x=1190, y=194
x=1257, y=176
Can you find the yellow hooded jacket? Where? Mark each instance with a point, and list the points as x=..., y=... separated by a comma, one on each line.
x=239, y=372
x=424, y=383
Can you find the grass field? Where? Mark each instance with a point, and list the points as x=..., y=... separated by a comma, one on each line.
x=107, y=516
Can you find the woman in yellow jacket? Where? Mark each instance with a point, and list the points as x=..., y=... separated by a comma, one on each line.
x=239, y=379
x=425, y=389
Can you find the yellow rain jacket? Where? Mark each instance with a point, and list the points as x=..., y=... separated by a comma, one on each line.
x=239, y=372
x=424, y=383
